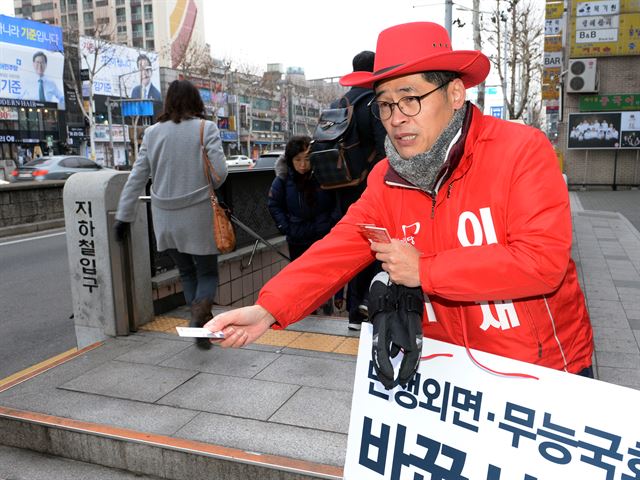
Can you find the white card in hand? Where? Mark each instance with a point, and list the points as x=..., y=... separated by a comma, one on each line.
x=198, y=332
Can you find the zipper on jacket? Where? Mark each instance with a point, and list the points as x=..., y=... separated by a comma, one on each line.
x=534, y=328
x=449, y=190
x=433, y=206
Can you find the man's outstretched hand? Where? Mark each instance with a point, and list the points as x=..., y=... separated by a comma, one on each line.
x=241, y=326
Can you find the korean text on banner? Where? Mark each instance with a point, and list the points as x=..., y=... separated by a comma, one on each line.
x=457, y=421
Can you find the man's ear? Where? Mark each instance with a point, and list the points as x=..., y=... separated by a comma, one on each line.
x=457, y=93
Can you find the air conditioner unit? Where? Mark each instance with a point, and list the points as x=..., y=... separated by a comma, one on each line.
x=582, y=76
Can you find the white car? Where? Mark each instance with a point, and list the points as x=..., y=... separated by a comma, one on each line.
x=239, y=161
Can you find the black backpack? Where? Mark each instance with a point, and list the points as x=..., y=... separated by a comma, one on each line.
x=337, y=159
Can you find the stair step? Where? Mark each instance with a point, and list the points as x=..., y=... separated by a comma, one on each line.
x=20, y=464
x=158, y=456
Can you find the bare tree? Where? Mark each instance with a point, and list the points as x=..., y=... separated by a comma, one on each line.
x=94, y=53
x=516, y=32
x=477, y=44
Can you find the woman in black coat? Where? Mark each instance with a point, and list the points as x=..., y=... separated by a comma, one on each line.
x=301, y=209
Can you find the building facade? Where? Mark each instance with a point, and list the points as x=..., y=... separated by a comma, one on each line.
x=592, y=90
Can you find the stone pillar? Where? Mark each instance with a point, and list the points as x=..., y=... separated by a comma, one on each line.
x=110, y=282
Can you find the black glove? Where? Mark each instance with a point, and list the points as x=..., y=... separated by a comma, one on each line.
x=383, y=314
x=121, y=230
x=410, y=310
x=396, y=313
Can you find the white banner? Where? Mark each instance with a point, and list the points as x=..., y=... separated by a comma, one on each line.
x=118, y=72
x=456, y=421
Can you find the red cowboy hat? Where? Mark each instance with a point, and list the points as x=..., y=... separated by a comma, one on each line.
x=419, y=47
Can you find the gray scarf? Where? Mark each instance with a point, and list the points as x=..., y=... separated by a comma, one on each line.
x=421, y=170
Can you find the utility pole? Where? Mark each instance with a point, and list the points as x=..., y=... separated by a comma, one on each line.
x=477, y=45
x=448, y=13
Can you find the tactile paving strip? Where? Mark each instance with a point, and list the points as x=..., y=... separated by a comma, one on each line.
x=278, y=338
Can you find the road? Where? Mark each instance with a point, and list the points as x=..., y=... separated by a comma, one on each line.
x=35, y=300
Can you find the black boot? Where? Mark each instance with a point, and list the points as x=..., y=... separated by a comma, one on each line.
x=201, y=314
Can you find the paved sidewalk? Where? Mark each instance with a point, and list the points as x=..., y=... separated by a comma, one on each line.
x=282, y=404
x=607, y=251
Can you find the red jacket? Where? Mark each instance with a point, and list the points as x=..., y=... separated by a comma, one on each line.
x=495, y=240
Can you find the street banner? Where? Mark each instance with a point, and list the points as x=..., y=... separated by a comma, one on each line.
x=117, y=73
x=457, y=421
x=31, y=61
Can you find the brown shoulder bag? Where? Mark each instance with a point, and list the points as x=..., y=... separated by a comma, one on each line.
x=223, y=232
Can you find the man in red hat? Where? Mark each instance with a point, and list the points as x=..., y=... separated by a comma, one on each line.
x=477, y=209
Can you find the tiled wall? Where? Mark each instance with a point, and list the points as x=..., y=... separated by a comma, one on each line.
x=239, y=281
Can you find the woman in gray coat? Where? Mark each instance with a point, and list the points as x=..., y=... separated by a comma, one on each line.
x=182, y=218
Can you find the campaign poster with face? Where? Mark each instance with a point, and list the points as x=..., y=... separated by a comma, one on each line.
x=31, y=61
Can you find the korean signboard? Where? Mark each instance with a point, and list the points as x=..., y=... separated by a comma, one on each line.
x=607, y=103
x=31, y=61
x=121, y=71
x=455, y=420
x=605, y=28
x=598, y=130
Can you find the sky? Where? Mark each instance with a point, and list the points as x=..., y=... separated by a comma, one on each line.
x=320, y=36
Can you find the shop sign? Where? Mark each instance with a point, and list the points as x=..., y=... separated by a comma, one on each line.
x=227, y=136
x=554, y=10
x=550, y=91
x=8, y=139
x=75, y=132
x=553, y=26
x=553, y=43
x=603, y=103
x=12, y=102
x=552, y=59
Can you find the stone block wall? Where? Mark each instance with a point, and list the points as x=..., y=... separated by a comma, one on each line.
x=30, y=203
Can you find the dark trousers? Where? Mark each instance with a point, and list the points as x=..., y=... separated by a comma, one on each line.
x=198, y=273
x=358, y=289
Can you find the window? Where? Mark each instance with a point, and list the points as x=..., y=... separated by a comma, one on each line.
x=150, y=45
x=50, y=120
x=85, y=163
x=88, y=18
x=68, y=162
x=122, y=29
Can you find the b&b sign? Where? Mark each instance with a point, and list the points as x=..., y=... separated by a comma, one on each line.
x=456, y=421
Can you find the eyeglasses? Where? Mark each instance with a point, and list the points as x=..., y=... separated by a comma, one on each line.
x=409, y=106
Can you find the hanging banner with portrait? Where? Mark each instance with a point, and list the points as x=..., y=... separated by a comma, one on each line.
x=121, y=71
x=31, y=61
